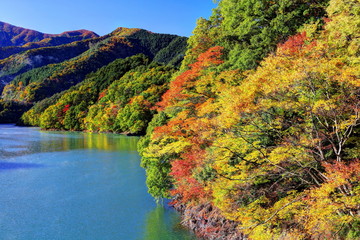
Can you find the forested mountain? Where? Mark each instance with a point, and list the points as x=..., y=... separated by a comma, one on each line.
x=39, y=73
x=39, y=83
x=22, y=62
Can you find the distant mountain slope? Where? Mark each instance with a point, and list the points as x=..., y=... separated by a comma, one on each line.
x=43, y=82
x=11, y=35
x=17, y=64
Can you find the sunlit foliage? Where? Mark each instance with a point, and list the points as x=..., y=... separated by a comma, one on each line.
x=275, y=148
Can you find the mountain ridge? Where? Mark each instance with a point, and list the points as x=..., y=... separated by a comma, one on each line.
x=11, y=35
x=52, y=69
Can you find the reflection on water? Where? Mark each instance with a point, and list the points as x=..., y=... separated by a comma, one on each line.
x=13, y=144
x=74, y=186
x=164, y=222
x=69, y=141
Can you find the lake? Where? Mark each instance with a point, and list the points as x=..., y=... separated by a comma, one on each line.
x=66, y=185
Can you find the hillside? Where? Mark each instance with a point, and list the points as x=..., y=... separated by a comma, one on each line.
x=32, y=75
x=22, y=62
x=24, y=49
x=118, y=97
x=39, y=83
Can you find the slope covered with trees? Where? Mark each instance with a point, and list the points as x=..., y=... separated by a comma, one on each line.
x=45, y=69
x=117, y=98
x=24, y=49
x=39, y=83
x=20, y=63
x=261, y=125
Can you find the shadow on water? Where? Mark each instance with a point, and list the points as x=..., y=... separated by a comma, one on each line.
x=14, y=166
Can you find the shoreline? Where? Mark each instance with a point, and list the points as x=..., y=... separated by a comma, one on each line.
x=207, y=223
x=84, y=131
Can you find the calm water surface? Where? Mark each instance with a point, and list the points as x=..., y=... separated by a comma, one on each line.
x=60, y=185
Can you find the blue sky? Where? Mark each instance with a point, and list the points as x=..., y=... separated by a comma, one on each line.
x=103, y=16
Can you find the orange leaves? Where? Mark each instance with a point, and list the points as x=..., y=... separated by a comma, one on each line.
x=175, y=91
x=210, y=58
x=190, y=189
x=294, y=44
x=181, y=168
x=180, y=86
x=346, y=172
x=254, y=142
x=102, y=94
x=182, y=171
x=332, y=206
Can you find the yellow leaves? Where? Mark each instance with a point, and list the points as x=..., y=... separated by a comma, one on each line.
x=254, y=156
x=324, y=105
x=342, y=13
x=351, y=121
x=285, y=154
x=207, y=107
x=265, y=133
x=221, y=192
x=321, y=213
x=205, y=83
x=262, y=232
x=123, y=32
x=332, y=205
x=167, y=146
x=350, y=75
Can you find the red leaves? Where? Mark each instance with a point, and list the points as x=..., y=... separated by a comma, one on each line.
x=181, y=168
x=182, y=171
x=189, y=189
x=327, y=20
x=210, y=58
x=188, y=161
x=178, y=87
x=187, y=125
x=66, y=108
x=294, y=44
x=175, y=91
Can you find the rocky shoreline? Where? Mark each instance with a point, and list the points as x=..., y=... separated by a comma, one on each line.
x=207, y=222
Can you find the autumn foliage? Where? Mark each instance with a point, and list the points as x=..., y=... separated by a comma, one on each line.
x=261, y=123
x=275, y=148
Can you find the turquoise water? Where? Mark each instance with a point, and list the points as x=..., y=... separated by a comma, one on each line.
x=60, y=185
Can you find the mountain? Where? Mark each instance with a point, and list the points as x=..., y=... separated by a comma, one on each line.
x=17, y=64
x=41, y=82
x=11, y=35
x=37, y=70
